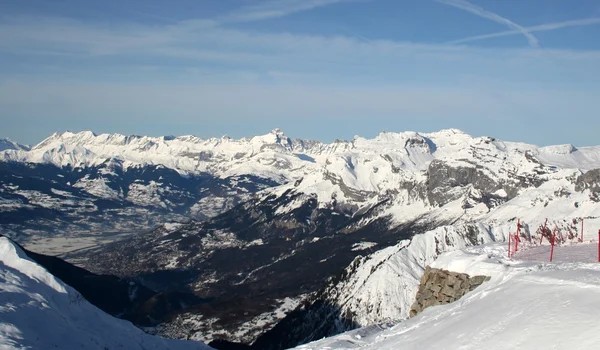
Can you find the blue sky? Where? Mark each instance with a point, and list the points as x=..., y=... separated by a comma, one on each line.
x=523, y=70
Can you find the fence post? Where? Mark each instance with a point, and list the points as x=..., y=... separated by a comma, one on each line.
x=553, y=240
x=509, y=242
x=598, y=245
x=581, y=230
x=517, y=238
x=543, y=231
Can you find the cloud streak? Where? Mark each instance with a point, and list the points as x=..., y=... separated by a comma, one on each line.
x=192, y=43
x=274, y=9
x=204, y=72
x=481, y=12
x=538, y=28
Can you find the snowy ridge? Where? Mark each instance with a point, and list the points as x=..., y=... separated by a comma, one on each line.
x=381, y=287
x=278, y=156
x=528, y=305
x=404, y=167
x=8, y=144
x=40, y=312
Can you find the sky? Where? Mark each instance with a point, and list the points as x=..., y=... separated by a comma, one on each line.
x=518, y=70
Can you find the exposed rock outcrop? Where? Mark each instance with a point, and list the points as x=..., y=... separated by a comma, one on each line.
x=590, y=180
x=439, y=287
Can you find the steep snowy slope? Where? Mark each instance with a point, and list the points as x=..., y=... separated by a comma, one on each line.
x=525, y=305
x=381, y=287
x=40, y=312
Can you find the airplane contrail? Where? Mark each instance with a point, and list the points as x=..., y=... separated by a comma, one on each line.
x=481, y=12
x=538, y=28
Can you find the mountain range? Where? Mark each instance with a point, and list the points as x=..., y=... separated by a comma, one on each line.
x=286, y=241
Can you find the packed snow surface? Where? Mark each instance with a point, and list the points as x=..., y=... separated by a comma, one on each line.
x=525, y=305
x=38, y=311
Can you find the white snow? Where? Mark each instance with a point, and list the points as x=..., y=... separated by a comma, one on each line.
x=38, y=311
x=171, y=226
x=370, y=165
x=7, y=144
x=147, y=195
x=63, y=244
x=525, y=305
x=97, y=187
x=43, y=200
x=267, y=320
x=383, y=285
x=61, y=193
x=363, y=246
x=360, y=174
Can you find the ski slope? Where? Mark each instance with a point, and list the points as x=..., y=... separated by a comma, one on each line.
x=525, y=305
x=38, y=311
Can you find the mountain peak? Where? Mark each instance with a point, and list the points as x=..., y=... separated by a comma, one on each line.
x=8, y=144
x=276, y=136
x=277, y=132
x=453, y=131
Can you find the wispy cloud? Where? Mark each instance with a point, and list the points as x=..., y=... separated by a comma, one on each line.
x=194, y=42
x=538, y=28
x=198, y=67
x=273, y=9
x=481, y=12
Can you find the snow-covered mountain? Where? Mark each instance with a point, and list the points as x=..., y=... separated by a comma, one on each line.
x=8, y=144
x=273, y=155
x=344, y=200
x=364, y=164
x=132, y=183
x=40, y=312
x=304, y=220
x=380, y=287
x=525, y=305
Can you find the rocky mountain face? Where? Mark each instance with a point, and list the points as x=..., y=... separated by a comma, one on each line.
x=313, y=238
x=439, y=287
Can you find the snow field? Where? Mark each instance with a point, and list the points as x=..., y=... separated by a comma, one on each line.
x=525, y=305
x=38, y=311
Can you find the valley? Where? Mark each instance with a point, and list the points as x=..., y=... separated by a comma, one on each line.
x=284, y=241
